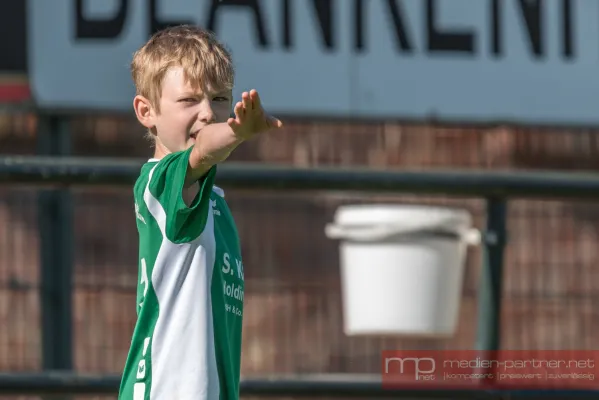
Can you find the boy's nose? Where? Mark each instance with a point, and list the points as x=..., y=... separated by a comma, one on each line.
x=206, y=114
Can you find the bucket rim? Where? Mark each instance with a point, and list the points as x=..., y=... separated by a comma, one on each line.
x=402, y=214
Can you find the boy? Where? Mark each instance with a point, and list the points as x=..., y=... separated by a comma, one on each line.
x=186, y=344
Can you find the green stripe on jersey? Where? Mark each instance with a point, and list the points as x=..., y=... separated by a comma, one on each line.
x=187, y=339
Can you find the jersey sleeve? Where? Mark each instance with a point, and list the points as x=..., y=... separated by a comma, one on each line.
x=183, y=224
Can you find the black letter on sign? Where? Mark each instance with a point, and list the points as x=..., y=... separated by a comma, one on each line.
x=496, y=27
x=100, y=29
x=532, y=12
x=359, y=15
x=286, y=10
x=324, y=13
x=401, y=34
x=157, y=25
x=253, y=5
x=446, y=41
x=567, y=29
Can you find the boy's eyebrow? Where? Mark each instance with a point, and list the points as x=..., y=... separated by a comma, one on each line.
x=192, y=92
x=188, y=93
x=199, y=92
x=223, y=92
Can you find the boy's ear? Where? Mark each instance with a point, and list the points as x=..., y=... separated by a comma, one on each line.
x=144, y=111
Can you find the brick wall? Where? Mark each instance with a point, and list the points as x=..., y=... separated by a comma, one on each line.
x=293, y=317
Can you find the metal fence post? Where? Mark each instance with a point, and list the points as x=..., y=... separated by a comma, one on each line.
x=56, y=243
x=490, y=289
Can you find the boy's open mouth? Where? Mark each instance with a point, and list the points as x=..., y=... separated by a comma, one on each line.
x=193, y=135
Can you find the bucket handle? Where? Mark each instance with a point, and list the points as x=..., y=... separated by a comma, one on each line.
x=470, y=236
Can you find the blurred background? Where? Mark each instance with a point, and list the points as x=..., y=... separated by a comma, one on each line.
x=402, y=86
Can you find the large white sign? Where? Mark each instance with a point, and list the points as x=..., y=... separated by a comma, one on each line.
x=533, y=61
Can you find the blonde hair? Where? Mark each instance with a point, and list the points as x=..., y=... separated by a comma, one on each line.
x=206, y=62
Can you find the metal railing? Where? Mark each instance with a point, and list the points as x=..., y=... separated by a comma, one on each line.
x=67, y=171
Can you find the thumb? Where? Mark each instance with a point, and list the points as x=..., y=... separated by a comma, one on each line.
x=275, y=122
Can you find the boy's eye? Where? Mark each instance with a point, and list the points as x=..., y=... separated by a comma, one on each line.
x=188, y=100
x=221, y=98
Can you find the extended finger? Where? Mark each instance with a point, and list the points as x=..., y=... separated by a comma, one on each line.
x=239, y=110
x=247, y=103
x=255, y=97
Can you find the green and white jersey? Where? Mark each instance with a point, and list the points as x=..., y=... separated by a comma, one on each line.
x=187, y=339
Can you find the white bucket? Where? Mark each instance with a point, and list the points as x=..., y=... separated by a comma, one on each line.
x=402, y=268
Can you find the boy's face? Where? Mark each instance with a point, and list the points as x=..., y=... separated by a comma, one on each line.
x=183, y=112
